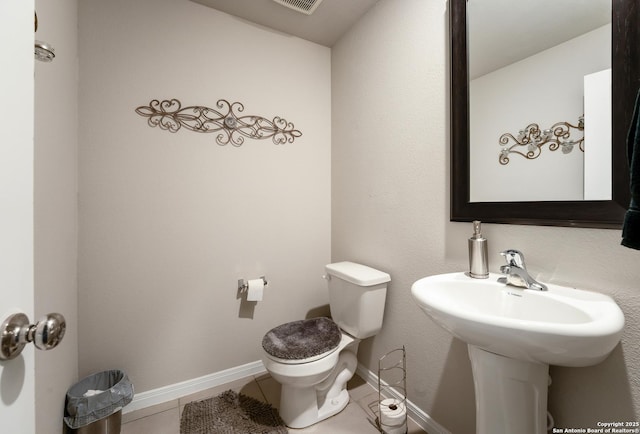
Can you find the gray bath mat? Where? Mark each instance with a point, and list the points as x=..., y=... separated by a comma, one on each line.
x=231, y=413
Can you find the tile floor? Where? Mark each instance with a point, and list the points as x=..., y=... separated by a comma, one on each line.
x=357, y=418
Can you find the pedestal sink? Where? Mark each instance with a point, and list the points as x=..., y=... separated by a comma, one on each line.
x=513, y=335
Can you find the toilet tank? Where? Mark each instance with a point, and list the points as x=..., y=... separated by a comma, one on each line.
x=357, y=294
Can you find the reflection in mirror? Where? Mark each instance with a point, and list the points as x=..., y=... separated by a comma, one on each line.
x=548, y=67
x=517, y=98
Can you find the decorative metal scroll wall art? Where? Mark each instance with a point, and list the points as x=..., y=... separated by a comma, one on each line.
x=226, y=119
x=530, y=141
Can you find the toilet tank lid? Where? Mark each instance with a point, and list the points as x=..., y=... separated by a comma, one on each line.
x=357, y=274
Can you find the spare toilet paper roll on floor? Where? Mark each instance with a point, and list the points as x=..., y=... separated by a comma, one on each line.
x=393, y=416
x=256, y=290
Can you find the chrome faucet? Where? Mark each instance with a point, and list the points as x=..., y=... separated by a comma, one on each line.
x=516, y=272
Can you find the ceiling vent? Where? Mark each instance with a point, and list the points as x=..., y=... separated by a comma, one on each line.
x=303, y=6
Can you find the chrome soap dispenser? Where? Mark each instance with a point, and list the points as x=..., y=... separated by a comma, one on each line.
x=478, y=257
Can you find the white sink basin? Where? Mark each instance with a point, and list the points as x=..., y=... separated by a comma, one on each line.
x=561, y=326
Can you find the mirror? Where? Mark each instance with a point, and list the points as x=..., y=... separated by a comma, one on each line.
x=557, y=72
x=625, y=57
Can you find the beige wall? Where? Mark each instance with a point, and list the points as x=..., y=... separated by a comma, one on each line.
x=55, y=206
x=170, y=222
x=390, y=210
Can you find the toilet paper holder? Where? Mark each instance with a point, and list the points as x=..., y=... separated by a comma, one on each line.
x=243, y=284
x=391, y=415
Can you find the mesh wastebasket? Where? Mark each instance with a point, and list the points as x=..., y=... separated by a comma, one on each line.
x=94, y=404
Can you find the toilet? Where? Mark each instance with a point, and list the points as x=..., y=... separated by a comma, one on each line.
x=314, y=358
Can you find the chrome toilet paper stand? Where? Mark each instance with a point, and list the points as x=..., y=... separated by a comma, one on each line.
x=392, y=383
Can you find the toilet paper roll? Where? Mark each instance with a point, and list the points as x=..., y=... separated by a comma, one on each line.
x=393, y=416
x=256, y=289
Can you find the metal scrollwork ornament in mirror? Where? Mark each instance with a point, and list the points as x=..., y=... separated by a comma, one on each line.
x=226, y=119
x=531, y=140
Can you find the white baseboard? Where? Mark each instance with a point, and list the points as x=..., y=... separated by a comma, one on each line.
x=174, y=391
x=416, y=414
x=177, y=390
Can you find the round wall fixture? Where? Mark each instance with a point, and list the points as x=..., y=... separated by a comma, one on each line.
x=44, y=52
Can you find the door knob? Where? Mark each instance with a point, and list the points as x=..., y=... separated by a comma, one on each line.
x=17, y=333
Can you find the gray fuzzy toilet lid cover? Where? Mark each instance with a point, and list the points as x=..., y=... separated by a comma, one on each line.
x=302, y=339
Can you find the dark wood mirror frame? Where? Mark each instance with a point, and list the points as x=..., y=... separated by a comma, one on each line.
x=625, y=62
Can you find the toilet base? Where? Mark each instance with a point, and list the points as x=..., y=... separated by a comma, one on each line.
x=299, y=408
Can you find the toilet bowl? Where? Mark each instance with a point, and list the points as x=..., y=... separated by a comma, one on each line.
x=314, y=359
x=314, y=390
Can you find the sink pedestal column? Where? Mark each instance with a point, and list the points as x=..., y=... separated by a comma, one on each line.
x=511, y=395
